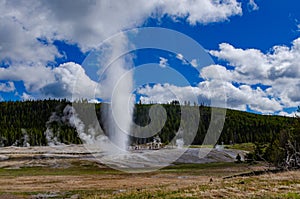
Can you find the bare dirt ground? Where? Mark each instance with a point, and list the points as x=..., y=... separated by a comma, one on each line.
x=76, y=175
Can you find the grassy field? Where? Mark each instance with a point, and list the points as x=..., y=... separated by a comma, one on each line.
x=84, y=179
x=243, y=146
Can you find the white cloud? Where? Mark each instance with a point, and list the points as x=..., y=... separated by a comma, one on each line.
x=202, y=11
x=278, y=69
x=185, y=62
x=28, y=29
x=18, y=44
x=7, y=87
x=89, y=22
x=253, y=66
x=163, y=93
x=62, y=81
x=180, y=57
x=34, y=77
x=70, y=81
x=238, y=97
x=215, y=92
x=194, y=63
x=252, y=6
x=297, y=24
x=293, y=114
x=26, y=96
x=95, y=101
x=217, y=72
x=163, y=62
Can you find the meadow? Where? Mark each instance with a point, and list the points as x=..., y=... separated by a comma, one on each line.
x=75, y=178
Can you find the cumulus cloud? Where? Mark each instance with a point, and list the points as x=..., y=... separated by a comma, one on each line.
x=34, y=77
x=184, y=62
x=89, y=22
x=216, y=93
x=217, y=72
x=257, y=67
x=181, y=58
x=293, y=114
x=70, y=81
x=194, y=63
x=18, y=44
x=278, y=69
x=203, y=11
x=263, y=82
x=252, y=6
x=29, y=28
x=239, y=97
x=7, y=87
x=164, y=93
x=26, y=96
x=252, y=64
x=60, y=82
x=163, y=62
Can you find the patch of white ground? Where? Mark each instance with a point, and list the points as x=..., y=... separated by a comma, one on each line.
x=59, y=156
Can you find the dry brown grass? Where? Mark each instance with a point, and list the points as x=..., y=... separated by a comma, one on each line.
x=281, y=185
x=84, y=179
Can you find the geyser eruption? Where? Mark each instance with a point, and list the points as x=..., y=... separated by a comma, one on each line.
x=111, y=64
x=25, y=138
x=116, y=88
x=71, y=117
x=23, y=142
x=52, y=140
x=180, y=143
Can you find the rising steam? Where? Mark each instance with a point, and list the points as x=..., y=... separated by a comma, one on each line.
x=116, y=88
x=69, y=117
x=52, y=140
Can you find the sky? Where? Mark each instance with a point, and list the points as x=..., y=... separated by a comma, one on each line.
x=250, y=51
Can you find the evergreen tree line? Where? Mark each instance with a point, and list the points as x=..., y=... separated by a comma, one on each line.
x=27, y=121
x=283, y=151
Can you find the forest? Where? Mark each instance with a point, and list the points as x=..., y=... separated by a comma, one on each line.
x=29, y=120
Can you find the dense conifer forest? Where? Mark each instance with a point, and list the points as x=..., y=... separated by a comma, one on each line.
x=27, y=121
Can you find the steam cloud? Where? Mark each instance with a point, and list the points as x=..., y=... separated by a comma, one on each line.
x=117, y=87
x=50, y=137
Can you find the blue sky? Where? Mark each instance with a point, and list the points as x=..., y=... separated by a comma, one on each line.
x=254, y=45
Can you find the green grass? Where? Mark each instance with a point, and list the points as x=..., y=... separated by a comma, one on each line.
x=77, y=168
x=244, y=146
x=291, y=195
x=242, y=184
x=60, y=195
x=201, y=146
x=209, y=169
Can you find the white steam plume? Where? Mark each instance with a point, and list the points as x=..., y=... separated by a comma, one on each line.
x=25, y=138
x=50, y=137
x=117, y=88
x=71, y=117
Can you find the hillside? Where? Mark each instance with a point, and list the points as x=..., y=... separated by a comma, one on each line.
x=26, y=122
